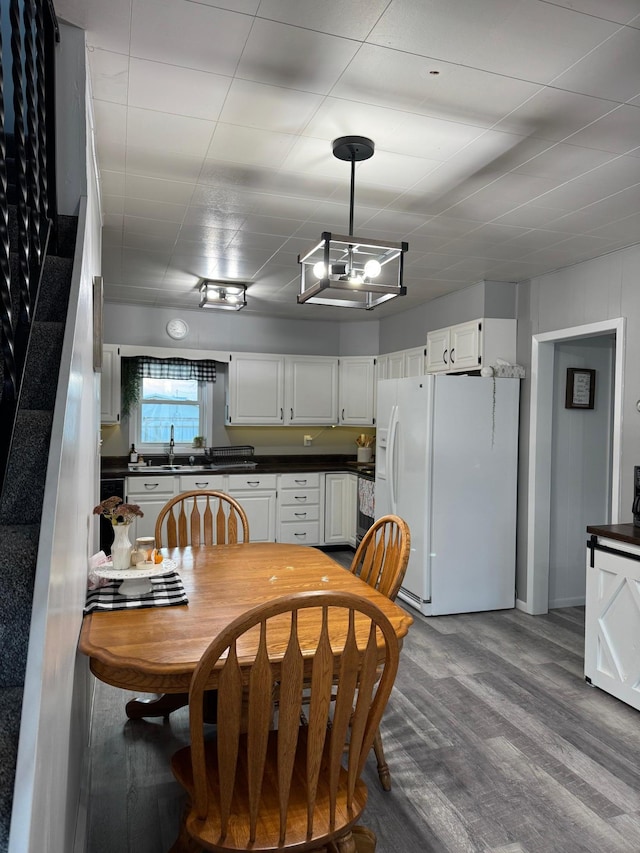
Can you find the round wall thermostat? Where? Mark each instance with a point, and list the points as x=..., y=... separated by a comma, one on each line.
x=177, y=329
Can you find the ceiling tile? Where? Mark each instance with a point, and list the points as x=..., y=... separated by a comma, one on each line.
x=109, y=75
x=153, y=227
x=110, y=122
x=622, y=11
x=528, y=40
x=272, y=108
x=611, y=70
x=554, y=114
x=106, y=24
x=250, y=145
x=181, y=91
x=154, y=209
x=562, y=162
x=349, y=20
x=154, y=189
x=161, y=163
x=397, y=79
x=209, y=39
x=619, y=131
x=112, y=183
x=164, y=132
x=306, y=60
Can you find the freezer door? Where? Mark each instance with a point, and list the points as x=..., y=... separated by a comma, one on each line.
x=473, y=511
x=411, y=453
x=386, y=411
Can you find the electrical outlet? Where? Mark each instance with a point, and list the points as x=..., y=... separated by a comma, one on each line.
x=307, y=441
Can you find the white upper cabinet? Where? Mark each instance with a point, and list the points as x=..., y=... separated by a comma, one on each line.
x=357, y=391
x=402, y=364
x=266, y=389
x=311, y=390
x=471, y=346
x=256, y=389
x=110, y=385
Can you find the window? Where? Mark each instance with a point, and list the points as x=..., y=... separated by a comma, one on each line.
x=181, y=403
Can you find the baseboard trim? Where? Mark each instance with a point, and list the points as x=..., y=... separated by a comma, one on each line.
x=578, y=601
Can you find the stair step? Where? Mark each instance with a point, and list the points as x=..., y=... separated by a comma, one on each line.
x=27, y=468
x=54, y=291
x=18, y=553
x=10, y=710
x=43, y=366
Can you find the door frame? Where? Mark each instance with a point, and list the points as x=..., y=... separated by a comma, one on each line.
x=540, y=437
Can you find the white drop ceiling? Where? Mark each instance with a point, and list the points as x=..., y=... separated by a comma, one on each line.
x=507, y=139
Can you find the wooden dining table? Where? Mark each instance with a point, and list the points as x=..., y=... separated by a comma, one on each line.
x=156, y=649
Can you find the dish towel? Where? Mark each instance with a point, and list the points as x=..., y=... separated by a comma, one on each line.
x=166, y=590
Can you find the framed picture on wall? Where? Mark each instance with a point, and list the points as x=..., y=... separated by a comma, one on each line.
x=581, y=388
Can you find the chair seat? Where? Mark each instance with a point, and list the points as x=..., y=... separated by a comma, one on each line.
x=208, y=831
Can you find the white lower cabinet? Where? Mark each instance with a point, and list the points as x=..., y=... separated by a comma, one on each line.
x=299, y=520
x=340, y=509
x=612, y=617
x=151, y=494
x=257, y=495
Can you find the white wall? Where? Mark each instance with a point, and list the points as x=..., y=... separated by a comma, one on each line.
x=484, y=299
x=48, y=811
x=603, y=289
x=208, y=329
x=580, y=467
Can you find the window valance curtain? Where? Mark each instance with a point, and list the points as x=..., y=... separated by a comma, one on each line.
x=144, y=366
x=204, y=370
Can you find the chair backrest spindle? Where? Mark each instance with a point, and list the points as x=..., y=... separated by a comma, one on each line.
x=197, y=512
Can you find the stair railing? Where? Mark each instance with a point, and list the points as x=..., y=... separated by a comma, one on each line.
x=31, y=87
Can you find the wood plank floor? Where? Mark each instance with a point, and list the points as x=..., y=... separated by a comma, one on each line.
x=496, y=745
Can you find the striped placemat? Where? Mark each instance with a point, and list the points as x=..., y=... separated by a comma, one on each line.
x=166, y=590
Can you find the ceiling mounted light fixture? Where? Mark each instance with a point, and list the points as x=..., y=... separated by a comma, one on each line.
x=225, y=295
x=360, y=272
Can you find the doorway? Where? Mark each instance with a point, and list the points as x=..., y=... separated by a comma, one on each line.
x=559, y=440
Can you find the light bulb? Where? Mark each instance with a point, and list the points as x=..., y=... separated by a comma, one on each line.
x=231, y=297
x=372, y=268
x=319, y=270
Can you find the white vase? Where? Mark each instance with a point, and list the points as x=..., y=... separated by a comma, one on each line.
x=121, y=548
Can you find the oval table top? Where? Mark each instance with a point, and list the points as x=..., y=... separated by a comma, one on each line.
x=156, y=649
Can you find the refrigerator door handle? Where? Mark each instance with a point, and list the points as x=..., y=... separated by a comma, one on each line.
x=391, y=469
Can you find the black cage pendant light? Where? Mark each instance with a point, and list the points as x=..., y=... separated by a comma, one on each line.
x=349, y=271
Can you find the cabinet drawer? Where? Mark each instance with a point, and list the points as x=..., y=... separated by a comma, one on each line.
x=300, y=481
x=205, y=480
x=165, y=485
x=299, y=497
x=300, y=513
x=250, y=482
x=300, y=533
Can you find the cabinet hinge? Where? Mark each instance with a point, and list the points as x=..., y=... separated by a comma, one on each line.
x=425, y=352
x=479, y=327
x=230, y=358
x=375, y=361
x=373, y=421
x=479, y=359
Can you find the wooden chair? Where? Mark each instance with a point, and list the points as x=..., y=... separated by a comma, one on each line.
x=381, y=561
x=204, y=518
x=286, y=788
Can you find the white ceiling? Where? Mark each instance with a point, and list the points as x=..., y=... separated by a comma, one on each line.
x=507, y=139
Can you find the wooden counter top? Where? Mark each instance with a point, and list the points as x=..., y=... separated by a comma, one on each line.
x=620, y=532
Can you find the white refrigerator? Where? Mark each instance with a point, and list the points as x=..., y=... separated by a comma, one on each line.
x=446, y=462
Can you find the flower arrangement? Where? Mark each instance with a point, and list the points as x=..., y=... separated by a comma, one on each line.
x=117, y=511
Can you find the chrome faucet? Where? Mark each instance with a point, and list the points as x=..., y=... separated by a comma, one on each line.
x=172, y=445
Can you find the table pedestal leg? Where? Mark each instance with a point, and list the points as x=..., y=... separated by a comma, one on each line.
x=163, y=705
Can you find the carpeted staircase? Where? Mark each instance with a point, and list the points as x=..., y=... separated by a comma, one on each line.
x=21, y=498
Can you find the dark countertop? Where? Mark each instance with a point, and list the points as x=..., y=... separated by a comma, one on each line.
x=620, y=532
x=113, y=467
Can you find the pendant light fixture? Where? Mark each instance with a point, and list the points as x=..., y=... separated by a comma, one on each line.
x=358, y=272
